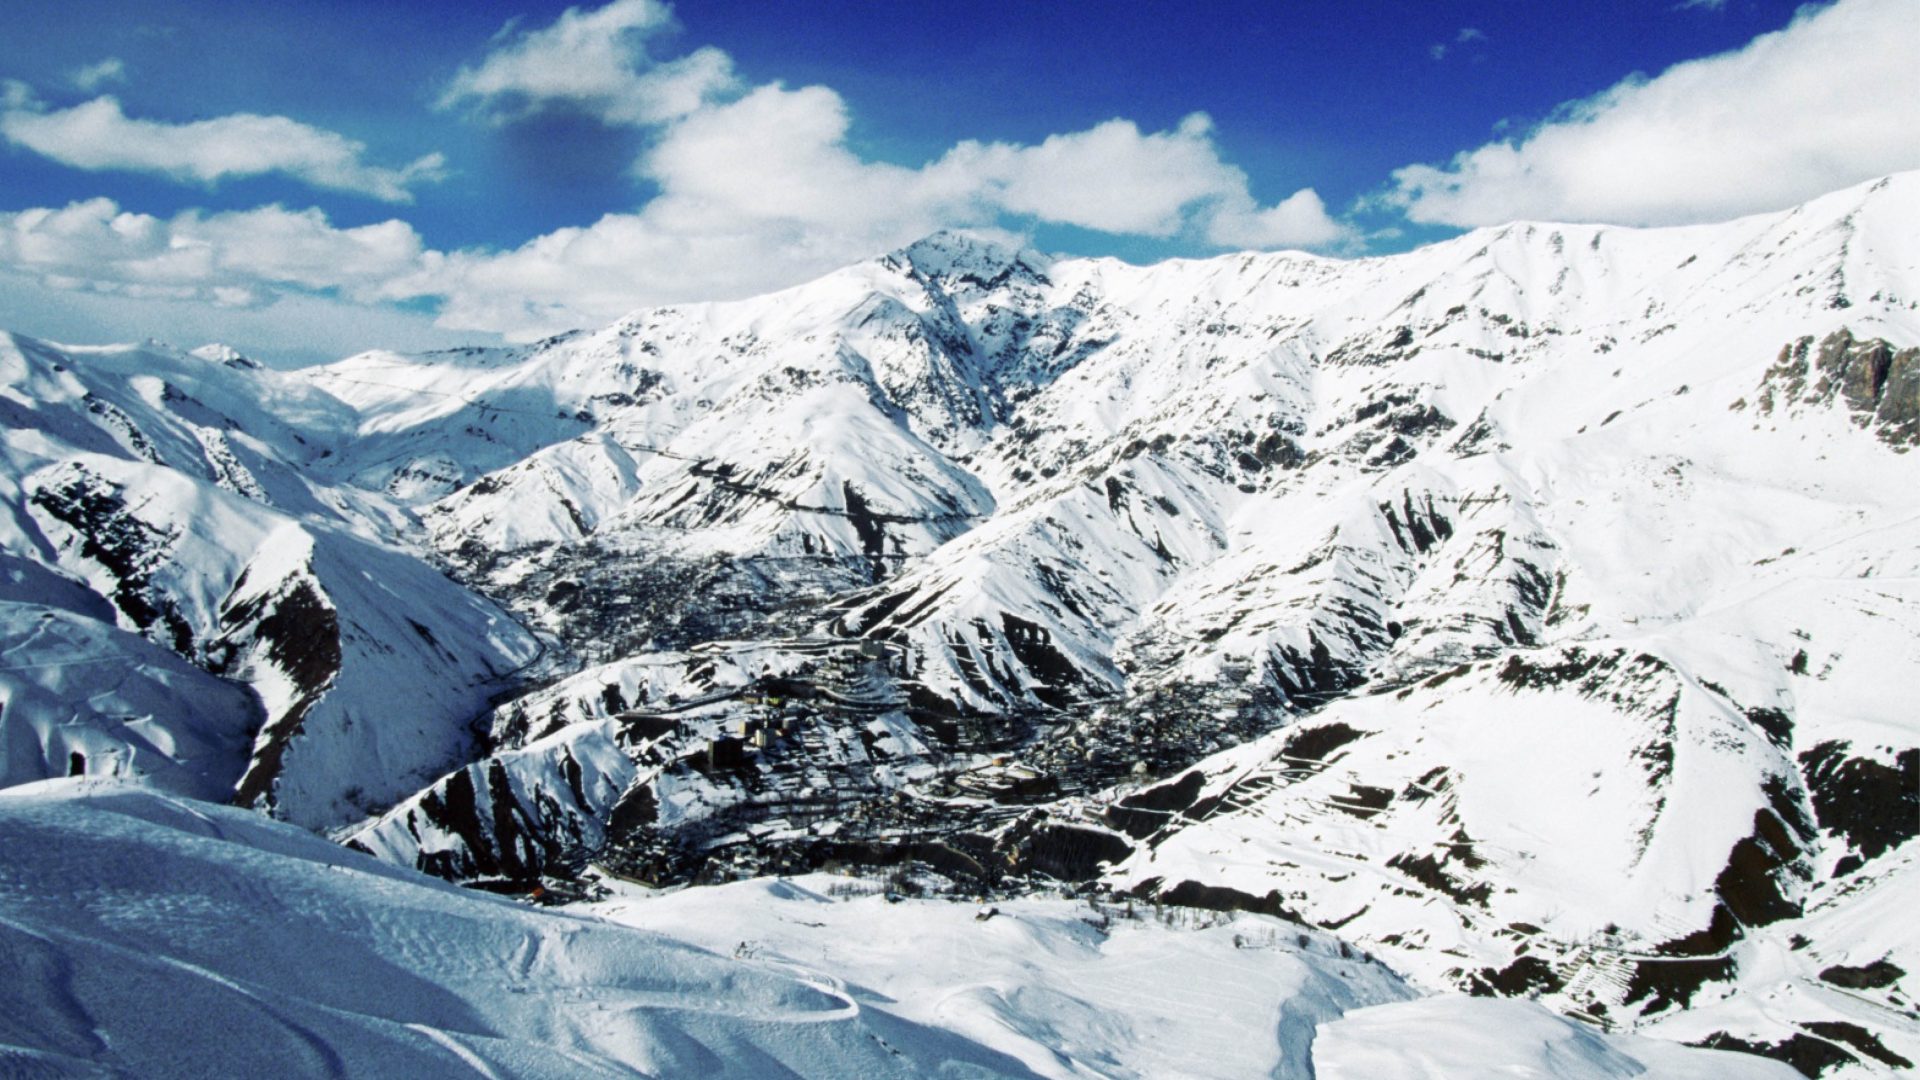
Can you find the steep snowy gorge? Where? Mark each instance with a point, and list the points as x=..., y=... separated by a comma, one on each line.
x=1535, y=610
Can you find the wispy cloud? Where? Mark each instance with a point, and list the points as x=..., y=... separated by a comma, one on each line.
x=92, y=77
x=1824, y=103
x=98, y=134
x=1466, y=36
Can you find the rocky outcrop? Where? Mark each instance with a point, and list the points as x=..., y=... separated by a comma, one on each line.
x=1878, y=383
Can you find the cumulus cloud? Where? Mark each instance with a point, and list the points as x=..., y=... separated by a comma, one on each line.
x=754, y=194
x=753, y=188
x=1826, y=102
x=1299, y=220
x=98, y=135
x=763, y=191
x=234, y=259
x=1110, y=177
x=92, y=77
x=595, y=61
x=758, y=188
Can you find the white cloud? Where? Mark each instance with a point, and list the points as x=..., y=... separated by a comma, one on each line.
x=756, y=188
x=1109, y=177
x=1828, y=101
x=234, y=259
x=92, y=77
x=763, y=192
x=596, y=61
x=1300, y=220
x=98, y=135
x=779, y=154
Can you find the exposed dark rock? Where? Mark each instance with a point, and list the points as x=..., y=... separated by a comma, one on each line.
x=1431, y=872
x=868, y=526
x=454, y=805
x=1526, y=975
x=1667, y=984
x=1319, y=743
x=129, y=549
x=1777, y=725
x=1874, y=806
x=1812, y=1056
x=1070, y=853
x=297, y=631
x=1417, y=528
x=1573, y=665
x=1878, y=975
x=1363, y=800
x=1859, y=1038
x=1307, y=679
x=1750, y=884
x=1219, y=898
x=1878, y=384
x=1143, y=813
x=1032, y=645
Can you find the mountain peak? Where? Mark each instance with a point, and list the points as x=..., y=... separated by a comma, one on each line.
x=224, y=354
x=963, y=255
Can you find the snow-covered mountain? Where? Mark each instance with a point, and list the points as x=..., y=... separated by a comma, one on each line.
x=1535, y=610
x=174, y=496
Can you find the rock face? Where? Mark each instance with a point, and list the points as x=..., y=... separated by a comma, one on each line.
x=1534, y=609
x=1878, y=384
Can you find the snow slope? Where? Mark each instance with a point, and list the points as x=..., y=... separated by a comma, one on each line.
x=149, y=935
x=1481, y=1039
x=80, y=696
x=177, y=490
x=152, y=936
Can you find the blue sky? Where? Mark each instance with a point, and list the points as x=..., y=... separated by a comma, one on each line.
x=307, y=178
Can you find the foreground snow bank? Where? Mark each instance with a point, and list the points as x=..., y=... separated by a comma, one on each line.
x=152, y=936
x=149, y=935
x=1465, y=1038
x=1066, y=988
x=1074, y=990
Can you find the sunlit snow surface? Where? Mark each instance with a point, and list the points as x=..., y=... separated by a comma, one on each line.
x=150, y=936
